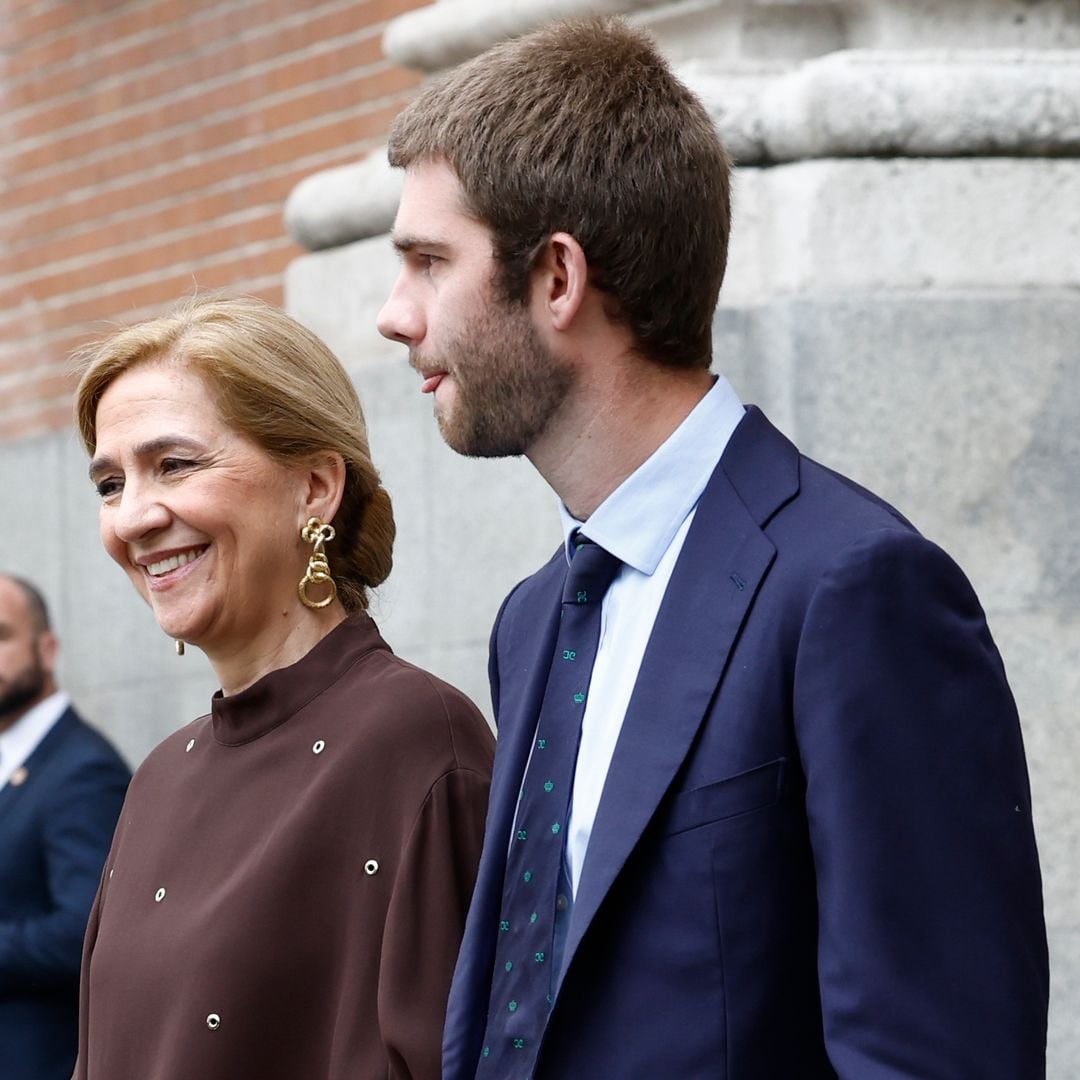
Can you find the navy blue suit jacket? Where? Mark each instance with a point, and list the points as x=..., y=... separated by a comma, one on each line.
x=814, y=854
x=55, y=832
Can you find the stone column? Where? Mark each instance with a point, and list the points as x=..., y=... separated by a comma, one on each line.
x=902, y=299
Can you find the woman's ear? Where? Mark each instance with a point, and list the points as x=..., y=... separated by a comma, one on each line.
x=323, y=486
x=560, y=280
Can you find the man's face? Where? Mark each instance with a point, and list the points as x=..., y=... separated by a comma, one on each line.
x=495, y=383
x=26, y=655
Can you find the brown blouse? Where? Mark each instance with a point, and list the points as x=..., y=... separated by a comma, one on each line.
x=289, y=879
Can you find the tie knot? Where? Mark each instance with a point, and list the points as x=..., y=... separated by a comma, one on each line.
x=592, y=570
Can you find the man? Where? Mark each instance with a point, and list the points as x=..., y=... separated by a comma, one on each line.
x=796, y=839
x=61, y=787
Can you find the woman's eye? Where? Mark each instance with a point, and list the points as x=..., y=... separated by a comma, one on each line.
x=109, y=486
x=172, y=465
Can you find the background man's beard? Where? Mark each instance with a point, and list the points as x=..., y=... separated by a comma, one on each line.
x=22, y=691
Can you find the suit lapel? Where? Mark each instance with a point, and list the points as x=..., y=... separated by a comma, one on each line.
x=723, y=562
x=522, y=644
x=39, y=757
x=525, y=645
x=8, y=794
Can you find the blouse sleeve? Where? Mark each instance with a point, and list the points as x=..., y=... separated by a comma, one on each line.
x=425, y=922
x=89, y=940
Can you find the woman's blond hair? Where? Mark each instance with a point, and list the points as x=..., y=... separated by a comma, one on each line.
x=282, y=387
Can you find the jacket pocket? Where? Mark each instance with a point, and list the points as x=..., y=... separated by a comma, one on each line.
x=734, y=795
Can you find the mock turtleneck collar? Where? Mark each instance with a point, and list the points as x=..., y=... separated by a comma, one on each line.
x=271, y=700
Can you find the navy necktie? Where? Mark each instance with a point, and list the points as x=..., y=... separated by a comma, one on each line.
x=536, y=890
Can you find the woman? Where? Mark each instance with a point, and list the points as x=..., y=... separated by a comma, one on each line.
x=288, y=883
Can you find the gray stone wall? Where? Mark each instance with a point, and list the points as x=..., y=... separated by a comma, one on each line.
x=903, y=299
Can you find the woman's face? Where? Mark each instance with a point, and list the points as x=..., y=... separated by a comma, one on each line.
x=205, y=524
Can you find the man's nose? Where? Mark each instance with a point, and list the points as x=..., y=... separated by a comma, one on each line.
x=400, y=318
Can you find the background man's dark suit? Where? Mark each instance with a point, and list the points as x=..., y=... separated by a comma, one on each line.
x=55, y=831
x=814, y=852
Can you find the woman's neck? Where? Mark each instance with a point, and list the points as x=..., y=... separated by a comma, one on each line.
x=240, y=664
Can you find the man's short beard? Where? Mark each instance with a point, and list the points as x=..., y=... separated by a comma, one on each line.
x=508, y=385
x=25, y=689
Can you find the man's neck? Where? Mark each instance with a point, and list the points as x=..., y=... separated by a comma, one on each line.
x=617, y=418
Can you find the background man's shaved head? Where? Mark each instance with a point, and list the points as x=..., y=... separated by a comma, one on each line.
x=36, y=606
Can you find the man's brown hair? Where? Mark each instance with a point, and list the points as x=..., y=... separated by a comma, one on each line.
x=581, y=127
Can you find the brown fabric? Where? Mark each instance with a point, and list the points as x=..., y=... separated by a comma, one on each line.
x=317, y=969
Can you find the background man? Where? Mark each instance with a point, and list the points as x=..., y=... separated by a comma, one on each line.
x=61, y=787
x=760, y=806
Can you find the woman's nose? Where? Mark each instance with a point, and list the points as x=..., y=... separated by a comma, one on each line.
x=140, y=512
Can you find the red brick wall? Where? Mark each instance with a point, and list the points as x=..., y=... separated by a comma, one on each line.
x=148, y=147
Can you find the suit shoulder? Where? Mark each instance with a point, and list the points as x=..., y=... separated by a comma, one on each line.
x=84, y=744
x=835, y=531
x=80, y=769
x=859, y=507
x=903, y=562
x=829, y=513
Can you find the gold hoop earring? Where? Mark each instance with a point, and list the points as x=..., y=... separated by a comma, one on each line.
x=316, y=532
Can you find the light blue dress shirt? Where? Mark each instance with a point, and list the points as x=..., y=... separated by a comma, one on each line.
x=644, y=521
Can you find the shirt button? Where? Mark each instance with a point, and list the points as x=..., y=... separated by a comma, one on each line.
x=319, y=747
x=561, y=902
x=213, y=1021
x=188, y=748
x=371, y=867
x=159, y=895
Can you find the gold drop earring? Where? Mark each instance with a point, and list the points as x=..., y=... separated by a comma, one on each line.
x=179, y=647
x=316, y=532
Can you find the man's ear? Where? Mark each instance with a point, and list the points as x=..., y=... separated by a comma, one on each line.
x=48, y=650
x=560, y=280
x=323, y=484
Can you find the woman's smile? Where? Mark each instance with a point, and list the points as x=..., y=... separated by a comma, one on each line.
x=163, y=568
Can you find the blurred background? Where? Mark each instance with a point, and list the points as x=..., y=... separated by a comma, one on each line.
x=903, y=299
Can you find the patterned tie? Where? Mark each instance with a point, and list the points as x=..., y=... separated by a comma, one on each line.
x=535, y=890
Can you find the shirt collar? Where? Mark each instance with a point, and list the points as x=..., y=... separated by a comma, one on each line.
x=640, y=518
x=22, y=738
